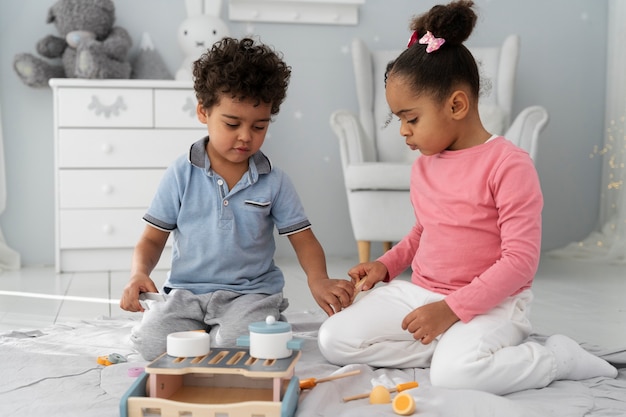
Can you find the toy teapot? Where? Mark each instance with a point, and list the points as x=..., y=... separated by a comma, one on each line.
x=270, y=339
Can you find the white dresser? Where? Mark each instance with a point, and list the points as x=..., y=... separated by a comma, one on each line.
x=113, y=141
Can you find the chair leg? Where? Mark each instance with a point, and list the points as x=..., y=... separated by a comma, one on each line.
x=364, y=250
x=386, y=246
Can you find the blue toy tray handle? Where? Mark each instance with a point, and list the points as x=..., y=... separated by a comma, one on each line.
x=243, y=341
x=295, y=344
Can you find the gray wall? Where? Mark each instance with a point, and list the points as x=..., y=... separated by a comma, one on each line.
x=562, y=67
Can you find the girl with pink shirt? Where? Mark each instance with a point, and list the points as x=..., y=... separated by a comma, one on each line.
x=475, y=245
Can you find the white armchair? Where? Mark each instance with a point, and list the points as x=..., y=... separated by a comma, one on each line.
x=525, y=129
x=377, y=163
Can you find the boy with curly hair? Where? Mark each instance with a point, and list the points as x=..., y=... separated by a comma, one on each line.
x=221, y=202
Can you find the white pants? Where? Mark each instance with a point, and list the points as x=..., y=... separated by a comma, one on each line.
x=489, y=353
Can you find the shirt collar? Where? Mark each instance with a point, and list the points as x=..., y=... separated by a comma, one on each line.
x=199, y=158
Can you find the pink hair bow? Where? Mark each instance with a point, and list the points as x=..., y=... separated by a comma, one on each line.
x=413, y=39
x=432, y=43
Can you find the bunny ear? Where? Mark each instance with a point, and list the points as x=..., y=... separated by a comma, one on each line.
x=204, y=7
x=194, y=7
x=213, y=7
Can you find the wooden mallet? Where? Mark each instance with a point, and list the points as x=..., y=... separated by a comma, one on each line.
x=397, y=388
x=357, y=287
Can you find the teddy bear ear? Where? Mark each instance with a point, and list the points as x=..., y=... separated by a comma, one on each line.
x=51, y=15
x=203, y=7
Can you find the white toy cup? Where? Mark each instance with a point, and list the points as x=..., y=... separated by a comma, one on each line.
x=188, y=344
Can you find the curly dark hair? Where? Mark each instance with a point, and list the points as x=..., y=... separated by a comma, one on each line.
x=440, y=72
x=242, y=69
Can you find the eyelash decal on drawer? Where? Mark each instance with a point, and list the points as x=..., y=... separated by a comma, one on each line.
x=258, y=203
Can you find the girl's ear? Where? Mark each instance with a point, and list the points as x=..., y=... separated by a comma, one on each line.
x=459, y=104
x=203, y=114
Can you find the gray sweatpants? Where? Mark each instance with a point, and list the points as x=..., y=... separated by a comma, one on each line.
x=227, y=313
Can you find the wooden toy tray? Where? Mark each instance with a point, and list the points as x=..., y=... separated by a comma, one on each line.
x=225, y=382
x=222, y=361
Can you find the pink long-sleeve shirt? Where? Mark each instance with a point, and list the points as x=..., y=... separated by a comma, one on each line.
x=477, y=235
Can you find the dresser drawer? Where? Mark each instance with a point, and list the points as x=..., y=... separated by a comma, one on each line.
x=115, y=228
x=102, y=188
x=114, y=140
x=106, y=148
x=175, y=108
x=100, y=107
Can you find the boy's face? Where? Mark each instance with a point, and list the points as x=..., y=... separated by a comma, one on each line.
x=236, y=128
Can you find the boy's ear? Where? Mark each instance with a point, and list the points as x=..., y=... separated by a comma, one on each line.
x=202, y=113
x=459, y=104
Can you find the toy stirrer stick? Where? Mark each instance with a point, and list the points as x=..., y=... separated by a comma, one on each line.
x=311, y=382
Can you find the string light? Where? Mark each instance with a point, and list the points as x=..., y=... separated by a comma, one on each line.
x=614, y=156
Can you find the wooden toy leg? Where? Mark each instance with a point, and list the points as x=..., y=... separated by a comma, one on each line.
x=278, y=385
x=163, y=386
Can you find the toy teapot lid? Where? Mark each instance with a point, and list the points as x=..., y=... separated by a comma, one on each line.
x=270, y=326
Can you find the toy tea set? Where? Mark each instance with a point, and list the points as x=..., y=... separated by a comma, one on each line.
x=193, y=379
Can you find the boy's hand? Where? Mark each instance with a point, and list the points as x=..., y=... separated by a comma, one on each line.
x=429, y=321
x=333, y=295
x=130, y=297
x=366, y=275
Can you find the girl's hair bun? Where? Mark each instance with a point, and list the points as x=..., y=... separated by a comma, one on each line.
x=454, y=22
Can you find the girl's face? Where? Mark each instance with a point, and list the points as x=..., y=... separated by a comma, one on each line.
x=425, y=124
x=236, y=128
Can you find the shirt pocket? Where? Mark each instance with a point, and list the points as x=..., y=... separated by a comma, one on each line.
x=259, y=207
x=257, y=218
x=257, y=204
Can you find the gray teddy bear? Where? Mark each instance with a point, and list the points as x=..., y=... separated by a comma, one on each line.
x=89, y=45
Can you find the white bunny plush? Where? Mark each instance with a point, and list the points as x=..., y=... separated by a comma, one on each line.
x=202, y=28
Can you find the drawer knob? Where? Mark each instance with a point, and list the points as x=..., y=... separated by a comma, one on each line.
x=107, y=189
x=107, y=229
x=106, y=148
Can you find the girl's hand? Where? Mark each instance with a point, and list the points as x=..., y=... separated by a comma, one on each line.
x=332, y=295
x=429, y=321
x=366, y=275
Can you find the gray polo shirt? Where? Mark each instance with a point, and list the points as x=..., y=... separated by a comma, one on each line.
x=223, y=239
